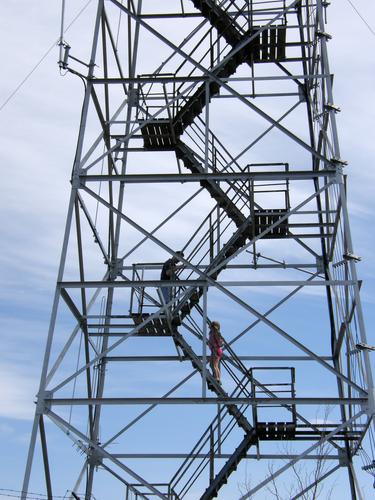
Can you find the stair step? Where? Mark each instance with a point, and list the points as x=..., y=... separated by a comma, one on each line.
x=222, y=476
x=158, y=134
x=158, y=327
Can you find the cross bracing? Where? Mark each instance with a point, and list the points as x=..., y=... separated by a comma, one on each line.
x=207, y=127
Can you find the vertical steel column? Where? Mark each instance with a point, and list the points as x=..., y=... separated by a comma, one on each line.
x=114, y=254
x=45, y=458
x=204, y=344
x=207, y=124
x=75, y=183
x=347, y=234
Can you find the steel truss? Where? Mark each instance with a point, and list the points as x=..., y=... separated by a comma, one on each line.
x=215, y=134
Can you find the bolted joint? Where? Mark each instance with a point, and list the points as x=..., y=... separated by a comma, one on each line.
x=343, y=458
x=80, y=178
x=133, y=97
x=320, y=264
x=43, y=402
x=76, y=181
x=301, y=94
x=115, y=268
x=94, y=456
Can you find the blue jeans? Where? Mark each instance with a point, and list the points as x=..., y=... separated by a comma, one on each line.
x=167, y=293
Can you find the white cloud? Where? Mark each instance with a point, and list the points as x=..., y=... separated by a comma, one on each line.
x=17, y=386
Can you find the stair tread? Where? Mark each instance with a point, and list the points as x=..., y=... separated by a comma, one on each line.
x=230, y=466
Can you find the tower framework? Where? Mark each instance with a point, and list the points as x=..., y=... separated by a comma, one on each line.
x=208, y=128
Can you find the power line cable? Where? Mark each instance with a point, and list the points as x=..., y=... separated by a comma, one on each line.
x=360, y=15
x=12, y=94
x=7, y=492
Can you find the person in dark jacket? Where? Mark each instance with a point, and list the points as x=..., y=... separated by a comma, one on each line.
x=168, y=272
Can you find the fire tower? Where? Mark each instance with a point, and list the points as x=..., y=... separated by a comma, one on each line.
x=208, y=128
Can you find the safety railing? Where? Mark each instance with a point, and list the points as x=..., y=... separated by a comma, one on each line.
x=218, y=159
x=208, y=445
x=202, y=245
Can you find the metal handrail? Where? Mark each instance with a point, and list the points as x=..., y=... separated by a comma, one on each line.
x=214, y=426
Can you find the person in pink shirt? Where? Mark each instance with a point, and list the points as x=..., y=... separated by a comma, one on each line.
x=215, y=343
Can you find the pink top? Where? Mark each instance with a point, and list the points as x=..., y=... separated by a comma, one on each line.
x=215, y=342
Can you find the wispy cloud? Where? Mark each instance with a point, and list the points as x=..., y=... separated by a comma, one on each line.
x=16, y=387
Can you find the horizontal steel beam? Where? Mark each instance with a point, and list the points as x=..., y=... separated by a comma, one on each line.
x=198, y=283
x=283, y=265
x=186, y=358
x=223, y=456
x=204, y=401
x=245, y=12
x=229, y=176
x=166, y=79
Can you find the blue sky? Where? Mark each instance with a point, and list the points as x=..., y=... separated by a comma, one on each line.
x=39, y=127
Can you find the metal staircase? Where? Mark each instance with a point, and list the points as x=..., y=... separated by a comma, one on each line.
x=231, y=465
x=186, y=154
x=267, y=45
x=221, y=427
x=212, y=383
x=182, y=308
x=191, y=298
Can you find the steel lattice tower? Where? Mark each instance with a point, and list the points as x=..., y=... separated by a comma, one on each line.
x=207, y=126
